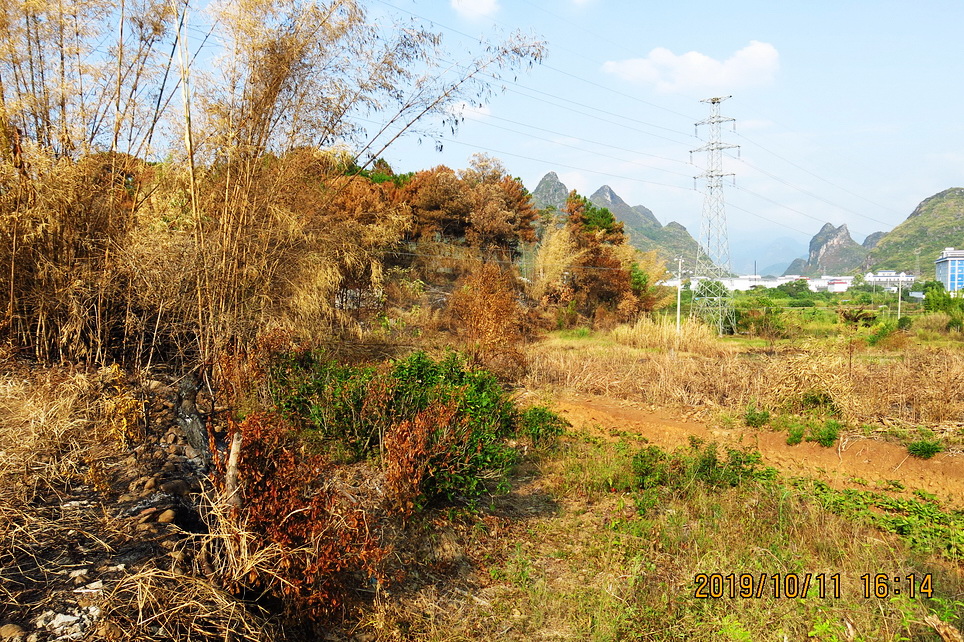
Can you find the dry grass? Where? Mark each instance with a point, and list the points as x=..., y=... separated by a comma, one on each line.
x=47, y=432
x=917, y=386
x=600, y=568
x=159, y=604
x=660, y=334
x=60, y=431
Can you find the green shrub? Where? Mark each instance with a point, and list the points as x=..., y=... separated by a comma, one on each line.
x=826, y=435
x=904, y=323
x=541, y=424
x=880, y=332
x=925, y=448
x=700, y=463
x=449, y=423
x=795, y=434
x=755, y=418
x=819, y=401
x=650, y=467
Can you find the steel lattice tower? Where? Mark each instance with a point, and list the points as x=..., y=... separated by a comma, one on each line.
x=712, y=301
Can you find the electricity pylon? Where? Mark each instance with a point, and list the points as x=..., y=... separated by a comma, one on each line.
x=712, y=301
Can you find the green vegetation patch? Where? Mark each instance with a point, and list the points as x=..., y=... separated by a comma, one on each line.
x=450, y=422
x=924, y=523
x=925, y=448
x=700, y=462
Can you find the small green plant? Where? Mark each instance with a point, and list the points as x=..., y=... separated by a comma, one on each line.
x=924, y=448
x=818, y=402
x=756, y=418
x=880, y=332
x=541, y=424
x=795, y=434
x=826, y=434
x=651, y=467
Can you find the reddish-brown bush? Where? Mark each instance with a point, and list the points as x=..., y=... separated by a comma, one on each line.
x=326, y=537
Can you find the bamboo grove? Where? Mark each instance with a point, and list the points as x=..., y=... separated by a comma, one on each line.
x=174, y=182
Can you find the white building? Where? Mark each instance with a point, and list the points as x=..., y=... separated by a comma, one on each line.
x=890, y=279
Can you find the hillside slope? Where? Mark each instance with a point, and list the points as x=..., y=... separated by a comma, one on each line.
x=936, y=223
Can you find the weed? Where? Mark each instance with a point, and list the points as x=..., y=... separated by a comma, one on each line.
x=795, y=434
x=881, y=332
x=755, y=418
x=439, y=427
x=826, y=435
x=820, y=401
x=699, y=463
x=925, y=448
x=924, y=525
x=541, y=424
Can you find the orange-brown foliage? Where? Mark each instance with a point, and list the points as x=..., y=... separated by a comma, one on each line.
x=486, y=315
x=328, y=540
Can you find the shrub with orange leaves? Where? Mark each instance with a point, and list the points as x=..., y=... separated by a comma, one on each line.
x=328, y=545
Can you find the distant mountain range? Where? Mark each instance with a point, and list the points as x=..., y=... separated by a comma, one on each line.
x=832, y=251
x=937, y=223
x=911, y=247
x=643, y=228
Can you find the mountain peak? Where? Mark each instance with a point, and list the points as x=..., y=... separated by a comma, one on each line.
x=550, y=192
x=912, y=246
x=605, y=194
x=832, y=251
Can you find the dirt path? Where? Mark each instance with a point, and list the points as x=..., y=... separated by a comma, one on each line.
x=855, y=457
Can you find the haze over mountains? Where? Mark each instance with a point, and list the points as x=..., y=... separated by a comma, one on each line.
x=911, y=247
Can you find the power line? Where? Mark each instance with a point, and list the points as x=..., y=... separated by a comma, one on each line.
x=558, y=164
x=811, y=194
x=580, y=149
x=820, y=178
x=502, y=80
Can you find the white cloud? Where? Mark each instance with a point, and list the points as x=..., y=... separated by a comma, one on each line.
x=755, y=64
x=473, y=9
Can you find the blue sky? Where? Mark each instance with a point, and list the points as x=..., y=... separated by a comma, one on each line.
x=846, y=111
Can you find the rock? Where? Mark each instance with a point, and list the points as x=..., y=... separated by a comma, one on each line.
x=11, y=632
x=166, y=517
x=177, y=487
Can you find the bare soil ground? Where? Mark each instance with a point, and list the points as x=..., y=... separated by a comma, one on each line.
x=854, y=458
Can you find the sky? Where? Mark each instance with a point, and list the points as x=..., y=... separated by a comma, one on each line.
x=845, y=111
